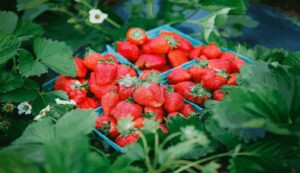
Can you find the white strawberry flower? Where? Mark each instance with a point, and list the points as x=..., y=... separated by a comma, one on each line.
x=42, y=113
x=64, y=102
x=24, y=107
x=97, y=16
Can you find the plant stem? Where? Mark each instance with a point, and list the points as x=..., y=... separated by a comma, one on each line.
x=156, y=148
x=86, y=4
x=97, y=150
x=149, y=8
x=112, y=22
x=146, y=150
x=168, y=138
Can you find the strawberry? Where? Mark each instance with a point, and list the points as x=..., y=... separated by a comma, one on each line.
x=150, y=61
x=232, y=79
x=174, y=101
x=60, y=82
x=196, y=52
x=128, y=50
x=129, y=139
x=218, y=95
x=220, y=64
x=174, y=114
x=183, y=44
x=177, y=57
x=91, y=60
x=184, y=88
x=159, y=45
x=156, y=113
x=113, y=130
x=88, y=103
x=136, y=36
x=198, y=70
x=164, y=68
x=81, y=71
x=163, y=128
x=108, y=101
x=149, y=94
x=75, y=89
x=126, y=86
x=178, y=75
x=211, y=51
x=126, y=108
x=110, y=58
x=100, y=90
x=139, y=122
x=214, y=79
x=105, y=73
x=187, y=110
x=237, y=64
x=123, y=70
x=228, y=56
x=146, y=73
x=198, y=94
x=101, y=121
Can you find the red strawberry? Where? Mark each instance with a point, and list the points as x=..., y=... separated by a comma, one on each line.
x=101, y=121
x=105, y=73
x=113, y=131
x=198, y=94
x=198, y=70
x=136, y=36
x=150, y=61
x=126, y=108
x=163, y=128
x=123, y=70
x=128, y=50
x=237, y=64
x=100, y=90
x=174, y=101
x=164, y=68
x=110, y=58
x=183, y=44
x=211, y=51
x=184, y=88
x=108, y=101
x=232, y=79
x=220, y=64
x=178, y=75
x=88, y=103
x=91, y=60
x=146, y=73
x=129, y=139
x=60, y=82
x=150, y=94
x=75, y=89
x=187, y=110
x=159, y=45
x=196, y=52
x=174, y=114
x=126, y=86
x=218, y=95
x=214, y=80
x=81, y=71
x=156, y=113
x=139, y=122
x=177, y=57
x=228, y=56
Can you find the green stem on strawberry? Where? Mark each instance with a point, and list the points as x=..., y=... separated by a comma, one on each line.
x=112, y=22
x=146, y=151
x=168, y=138
x=149, y=8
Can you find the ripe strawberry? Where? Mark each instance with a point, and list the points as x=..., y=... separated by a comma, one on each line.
x=228, y=56
x=178, y=75
x=159, y=45
x=187, y=110
x=211, y=51
x=150, y=61
x=196, y=52
x=214, y=80
x=129, y=139
x=236, y=65
x=163, y=128
x=136, y=36
x=232, y=79
x=139, y=122
x=183, y=44
x=198, y=94
x=220, y=64
x=174, y=101
x=75, y=89
x=113, y=130
x=81, y=71
x=109, y=58
x=146, y=73
x=123, y=70
x=156, y=113
x=218, y=95
x=60, y=82
x=108, y=101
x=164, y=68
x=105, y=73
x=88, y=103
x=126, y=86
x=91, y=60
x=177, y=57
x=102, y=121
x=174, y=114
x=184, y=88
x=198, y=70
x=100, y=90
x=126, y=108
x=149, y=94
x=128, y=50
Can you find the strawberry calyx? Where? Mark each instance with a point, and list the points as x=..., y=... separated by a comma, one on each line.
x=89, y=51
x=105, y=128
x=202, y=63
x=79, y=86
x=129, y=100
x=128, y=81
x=171, y=41
x=221, y=73
x=149, y=114
x=153, y=77
x=109, y=61
x=199, y=91
x=125, y=126
x=137, y=33
x=170, y=88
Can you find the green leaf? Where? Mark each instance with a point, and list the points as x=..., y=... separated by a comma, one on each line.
x=293, y=59
x=84, y=120
x=238, y=6
x=28, y=66
x=9, y=81
x=28, y=92
x=176, y=123
x=56, y=55
x=29, y=4
x=9, y=45
x=31, y=14
x=15, y=163
x=9, y=21
x=27, y=30
x=135, y=151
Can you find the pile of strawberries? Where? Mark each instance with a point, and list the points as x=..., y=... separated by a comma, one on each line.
x=96, y=75
x=161, y=53
x=205, y=78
